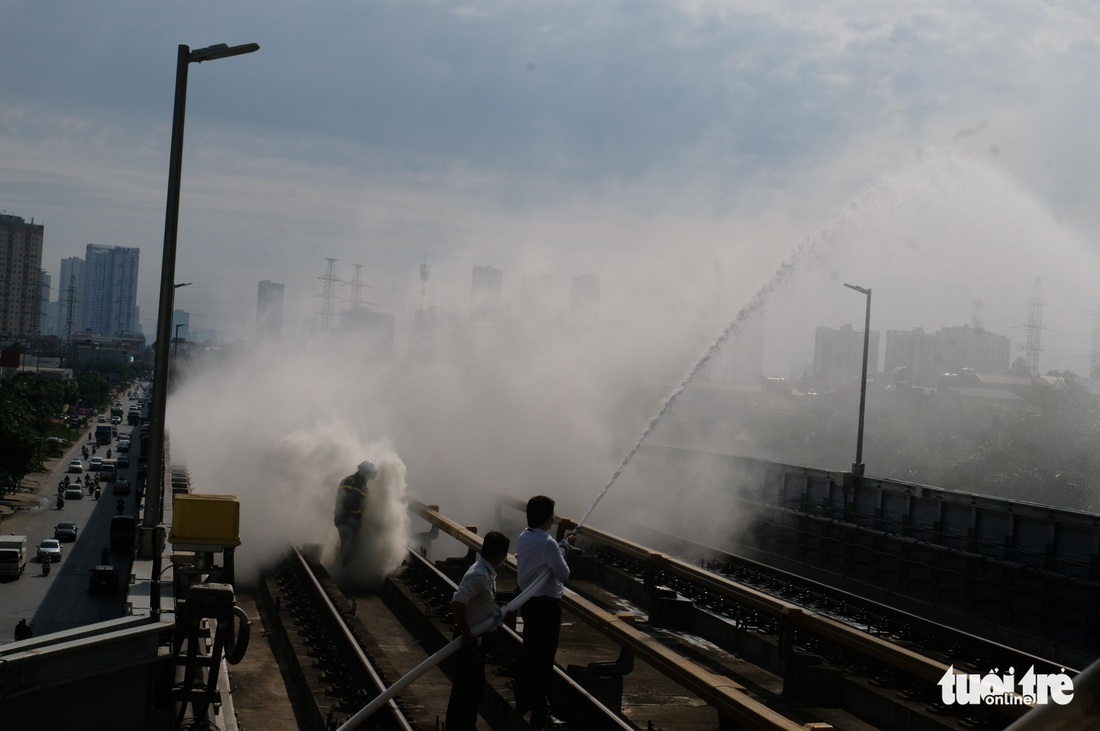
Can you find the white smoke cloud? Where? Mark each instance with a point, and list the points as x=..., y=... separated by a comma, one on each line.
x=551, y=403
x=265, y=429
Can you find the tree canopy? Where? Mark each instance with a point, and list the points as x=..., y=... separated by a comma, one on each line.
x=1041, y=448
x=30, y=408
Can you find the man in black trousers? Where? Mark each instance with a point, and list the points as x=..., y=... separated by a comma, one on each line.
x=537, y=552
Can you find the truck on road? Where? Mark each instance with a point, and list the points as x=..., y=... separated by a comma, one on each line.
x=103, y=433
x=13, y=555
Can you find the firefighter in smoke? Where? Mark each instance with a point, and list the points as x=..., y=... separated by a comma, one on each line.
x=351, y=500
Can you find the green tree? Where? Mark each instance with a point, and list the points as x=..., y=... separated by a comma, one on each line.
x=1042, y=449
x=93, y=389
x=1043, y=453
x=29, y=411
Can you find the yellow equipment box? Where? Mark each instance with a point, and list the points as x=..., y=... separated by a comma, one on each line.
x=206, y=520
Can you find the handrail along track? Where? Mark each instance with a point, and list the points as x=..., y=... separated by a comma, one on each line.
x=726, y=696
x=851, y=638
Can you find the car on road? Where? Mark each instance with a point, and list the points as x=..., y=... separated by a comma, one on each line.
x=121, y=486
x=74, y=492
x=49, y=550
x=123, y=461
x=123, y=445
x=65, y=531
x=76, y=466
x=104, y=578
x=95, y=464
x=116, y=420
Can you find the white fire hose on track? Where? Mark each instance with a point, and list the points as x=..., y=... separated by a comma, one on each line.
x=445, y=652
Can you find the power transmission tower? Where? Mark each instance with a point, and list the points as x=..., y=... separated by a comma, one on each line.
x=357, y=286
x=1034, y=329
x=70, y=315
x=328, y=298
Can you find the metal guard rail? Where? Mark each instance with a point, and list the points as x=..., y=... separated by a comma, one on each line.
x=723, y=694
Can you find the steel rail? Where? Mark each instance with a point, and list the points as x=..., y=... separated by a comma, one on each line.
x=726, y=696
x=894, y=655
x=350, y=640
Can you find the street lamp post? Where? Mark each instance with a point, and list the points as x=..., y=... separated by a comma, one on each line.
x=857, y=467
x=152, y=533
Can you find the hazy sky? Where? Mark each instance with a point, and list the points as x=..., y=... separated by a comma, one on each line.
x=942, y=153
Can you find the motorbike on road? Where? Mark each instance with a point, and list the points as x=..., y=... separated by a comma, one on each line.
x=46, y=566
x=60, y=501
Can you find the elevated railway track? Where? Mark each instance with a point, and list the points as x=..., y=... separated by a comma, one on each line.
x=838, y=602
x=652, y=641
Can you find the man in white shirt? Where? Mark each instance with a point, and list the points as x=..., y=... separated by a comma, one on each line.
x=473, y=603
x=537, y=552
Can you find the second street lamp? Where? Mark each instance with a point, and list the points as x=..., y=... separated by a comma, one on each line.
x=857, y=467
x=151, y=536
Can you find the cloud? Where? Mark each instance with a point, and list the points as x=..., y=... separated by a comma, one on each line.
x=584, y=135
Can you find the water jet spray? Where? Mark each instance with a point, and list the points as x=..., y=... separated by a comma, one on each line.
x=785, y=271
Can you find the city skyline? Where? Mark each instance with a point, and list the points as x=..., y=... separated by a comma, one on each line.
x=935, y=153
x=534, y=294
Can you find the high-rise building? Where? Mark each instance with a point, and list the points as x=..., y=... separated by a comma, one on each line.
x=376, y=329
x=181, y=325
x=51, y=319
x=20, y=279
x=45, y=325
x=109, y=290
x=963, y=346
x=914, y=351
x=208, y=335
x=952, y=349
x=269, y=313
x=840, y=352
